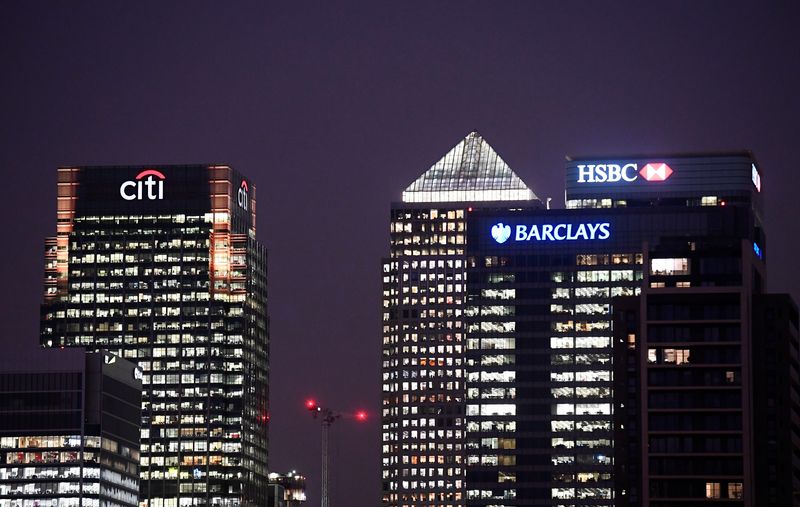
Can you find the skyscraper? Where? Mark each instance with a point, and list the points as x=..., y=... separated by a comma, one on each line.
x=161, y=265
x=502, y=393
x=424, y=335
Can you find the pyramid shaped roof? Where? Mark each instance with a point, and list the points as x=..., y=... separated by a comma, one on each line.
x=471, y=171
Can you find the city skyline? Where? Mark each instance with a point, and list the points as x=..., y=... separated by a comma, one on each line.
x=333, y=110
x=498, y=358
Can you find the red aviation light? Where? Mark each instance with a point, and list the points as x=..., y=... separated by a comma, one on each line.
x=311, y=405
x=361, y=415
x=656, y=171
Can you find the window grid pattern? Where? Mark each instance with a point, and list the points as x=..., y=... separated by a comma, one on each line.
x=185, y=298
x=423, y=384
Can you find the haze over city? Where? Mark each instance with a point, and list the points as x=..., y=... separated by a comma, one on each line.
x=332, y=109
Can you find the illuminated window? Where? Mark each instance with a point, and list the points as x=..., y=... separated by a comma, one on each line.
x=734, y=490
x=676, y=356
x=589, y=342
x=669, y=267
x=713, y=490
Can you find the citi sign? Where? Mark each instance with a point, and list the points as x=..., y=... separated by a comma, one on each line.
x=551, y=232
x=148, y=184
x=612, y=173
x=242, y=195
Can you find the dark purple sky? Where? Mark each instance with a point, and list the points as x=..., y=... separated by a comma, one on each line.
x=333, y=109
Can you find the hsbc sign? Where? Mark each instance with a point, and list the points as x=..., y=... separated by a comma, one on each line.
x=613, y=173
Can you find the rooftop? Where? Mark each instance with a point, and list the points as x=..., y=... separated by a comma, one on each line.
x=471, y=171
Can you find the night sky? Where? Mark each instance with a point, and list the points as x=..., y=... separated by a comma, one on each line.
x=333, y=109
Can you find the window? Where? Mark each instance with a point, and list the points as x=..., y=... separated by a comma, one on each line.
x=670, y=267
x=735, y=490
x=712, y=490
x=676, y=356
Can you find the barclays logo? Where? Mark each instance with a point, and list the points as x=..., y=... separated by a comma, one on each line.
x=552, y=232
x=501, y=232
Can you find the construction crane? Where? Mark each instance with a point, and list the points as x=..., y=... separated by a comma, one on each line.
x=327, y=417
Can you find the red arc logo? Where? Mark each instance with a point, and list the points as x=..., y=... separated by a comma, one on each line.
x=150, y=172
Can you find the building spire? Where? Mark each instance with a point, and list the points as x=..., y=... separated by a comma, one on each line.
x=471, y=171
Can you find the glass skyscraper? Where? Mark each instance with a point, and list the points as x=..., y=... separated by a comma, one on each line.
x=160, y=265
x=497, y=316
x=424, y=328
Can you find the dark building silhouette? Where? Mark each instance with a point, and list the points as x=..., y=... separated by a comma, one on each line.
x=71, y=438
x=706, y=387
x=776, y=400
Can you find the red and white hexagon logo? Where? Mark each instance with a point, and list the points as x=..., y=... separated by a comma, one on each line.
x=656, y=171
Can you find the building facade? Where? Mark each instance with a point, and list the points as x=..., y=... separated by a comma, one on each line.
x=161, y=265
x=424, y=329
x=504, y=394
x=776, y=400
x=71, y=439
x=706, y=384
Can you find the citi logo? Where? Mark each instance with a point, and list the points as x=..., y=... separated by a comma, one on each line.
x=242, y=195
x=501, y=232
x=149, y=179
x=612, y=173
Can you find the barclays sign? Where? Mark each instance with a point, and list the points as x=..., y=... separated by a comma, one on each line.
x=551, y=232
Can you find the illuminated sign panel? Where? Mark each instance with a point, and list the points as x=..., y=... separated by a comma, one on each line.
x=759, y=253
x=242, y=197
x=614, y=173
x=149, y=178
x=586, y=231
x=656, y=172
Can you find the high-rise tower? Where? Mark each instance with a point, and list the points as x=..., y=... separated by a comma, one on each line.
x=498, y=351
x=424, y=342
x=160, y=265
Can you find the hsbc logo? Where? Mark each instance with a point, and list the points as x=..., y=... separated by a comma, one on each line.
x=242, y=196
x=656, y=172
x=613, y=173
x=148, y=184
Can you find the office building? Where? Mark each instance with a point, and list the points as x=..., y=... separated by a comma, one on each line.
x=424, y=335
x=287, y=490
x=706, y=384
x=502, y=393
x=161, y=265
x=776, y=400
x=71, y=438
